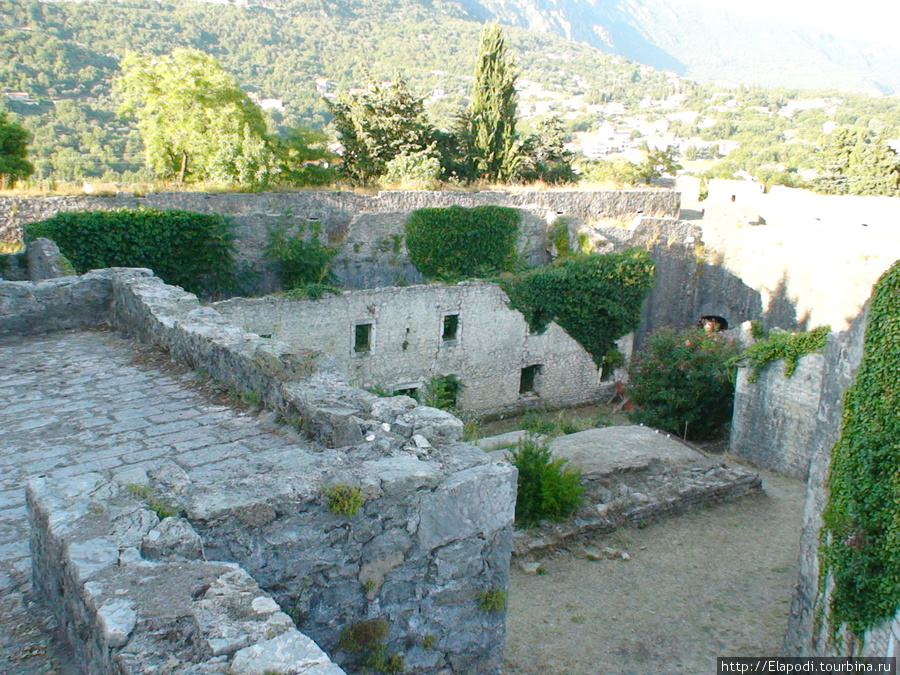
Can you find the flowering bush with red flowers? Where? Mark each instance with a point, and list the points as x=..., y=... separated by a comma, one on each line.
x=683, y=382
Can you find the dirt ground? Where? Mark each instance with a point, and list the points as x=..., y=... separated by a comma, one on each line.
x=715, y=582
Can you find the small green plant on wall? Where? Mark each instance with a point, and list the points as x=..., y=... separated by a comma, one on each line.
x=789, y=347
x=442, y=391
x=368, y=639
x=492, y=600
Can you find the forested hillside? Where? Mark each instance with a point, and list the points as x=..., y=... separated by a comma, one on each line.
x=58, y=62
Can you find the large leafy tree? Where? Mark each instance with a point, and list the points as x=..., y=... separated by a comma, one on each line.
x=493, y=110
x=378, y=125
x=13, y=150
x=197, y=124
x=852, y=162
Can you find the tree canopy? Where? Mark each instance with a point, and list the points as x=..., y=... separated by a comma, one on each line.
x=493, y=109
x=13, y=150
x=197, y=124
x=379, y=125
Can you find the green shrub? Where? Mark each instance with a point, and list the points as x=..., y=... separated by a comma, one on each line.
x=547, y=489
x=415, y=170
x=343, y=499
x=455, y=243
x=301, y=262
x=442, y=391
x=188, y=249
x=683, y=382
x=860, y=540
x=595, y=298
x=787, y=346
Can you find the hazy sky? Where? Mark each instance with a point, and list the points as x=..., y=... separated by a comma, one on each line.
x=876, y=20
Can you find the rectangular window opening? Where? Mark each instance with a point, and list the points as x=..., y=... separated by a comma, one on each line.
x=451, y=327
x=362, y=338
x=412, y=392
x=528, y=379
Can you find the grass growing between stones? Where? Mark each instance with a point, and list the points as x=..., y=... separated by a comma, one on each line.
x=159, y=506
x=368, y=640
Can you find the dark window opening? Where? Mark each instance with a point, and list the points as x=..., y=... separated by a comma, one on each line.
x=412, y=392
x=713, y=323
x=528, y=379
x=451, y=327
x=362, y=337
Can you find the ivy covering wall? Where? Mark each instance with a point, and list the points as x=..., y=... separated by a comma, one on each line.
x=595, y=298
x=455, y=243
x=184, y=248
x=860, y=538
x=777, y=346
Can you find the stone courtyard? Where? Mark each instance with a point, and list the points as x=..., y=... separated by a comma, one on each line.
x=78, y=402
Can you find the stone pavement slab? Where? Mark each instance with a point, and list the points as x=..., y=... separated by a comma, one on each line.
x=77, y=402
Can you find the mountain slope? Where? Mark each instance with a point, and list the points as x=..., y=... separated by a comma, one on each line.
x=707, y=44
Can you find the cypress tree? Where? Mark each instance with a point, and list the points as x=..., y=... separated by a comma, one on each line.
x=493, y=111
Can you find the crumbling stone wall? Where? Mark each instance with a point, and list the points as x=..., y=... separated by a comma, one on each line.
x=775, y=416
x=45, y=261
x=434, y=531
x=135, y=594
x=407, y=343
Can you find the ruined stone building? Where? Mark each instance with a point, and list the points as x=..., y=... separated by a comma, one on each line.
x=399, y=338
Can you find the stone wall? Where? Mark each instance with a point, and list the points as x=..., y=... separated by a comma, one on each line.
x=13, y=266
x=374, y=253
x=843, y=355
x=775, y=416
x=60, y=304
x=434, y=531
x=45, y=261
x=690, y=281
x=133, y=594
x=408, y=344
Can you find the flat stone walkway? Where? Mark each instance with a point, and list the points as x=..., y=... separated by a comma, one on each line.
x=77, y=402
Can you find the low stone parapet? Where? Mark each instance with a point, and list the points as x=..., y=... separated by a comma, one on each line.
x=134, y=594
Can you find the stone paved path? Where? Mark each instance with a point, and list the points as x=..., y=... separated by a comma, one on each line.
x=77, y=402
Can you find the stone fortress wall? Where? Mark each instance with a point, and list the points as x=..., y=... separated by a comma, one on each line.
x=775, y=416
x=417, y=332
x=433, y=535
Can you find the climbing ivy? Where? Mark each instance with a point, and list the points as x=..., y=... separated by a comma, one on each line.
x=595, y=298
x=188, y=249
x=860, y=540
x=455, y=243
x=787, y=346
